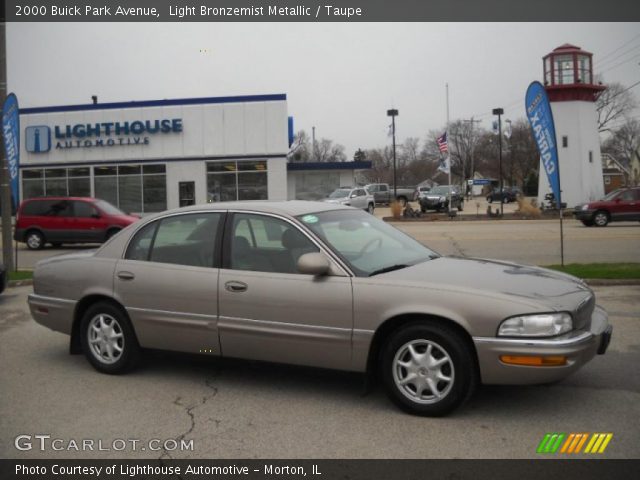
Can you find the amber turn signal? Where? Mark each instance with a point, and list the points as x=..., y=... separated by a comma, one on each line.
x=548, y=361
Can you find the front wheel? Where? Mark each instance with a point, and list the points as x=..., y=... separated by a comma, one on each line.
x=108, y=340
x=428, y=369
x=371, y=208
x=34, y=240
x=601, y=219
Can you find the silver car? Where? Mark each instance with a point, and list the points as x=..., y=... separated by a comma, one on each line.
x=358, y=197
x=322, y=285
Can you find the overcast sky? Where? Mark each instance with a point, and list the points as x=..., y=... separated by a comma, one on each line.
x=340, y=77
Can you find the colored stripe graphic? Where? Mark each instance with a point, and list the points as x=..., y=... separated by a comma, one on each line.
x=572, y=443
x=550, y=443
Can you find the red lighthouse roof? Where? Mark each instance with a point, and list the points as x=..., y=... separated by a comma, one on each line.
x=568, y=75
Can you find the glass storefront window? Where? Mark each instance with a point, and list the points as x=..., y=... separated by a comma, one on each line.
x=64, y=182
x=315, y=185
x=237, y=180
x=132, y=188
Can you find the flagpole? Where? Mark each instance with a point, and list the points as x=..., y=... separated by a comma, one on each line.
x=448, y=150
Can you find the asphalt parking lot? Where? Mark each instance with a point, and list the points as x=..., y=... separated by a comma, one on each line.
x=237, y=409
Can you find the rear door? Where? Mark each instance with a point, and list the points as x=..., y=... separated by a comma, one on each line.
x=168, y=281
x=270, y=312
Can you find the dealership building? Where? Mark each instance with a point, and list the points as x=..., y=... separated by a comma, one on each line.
x=148, y=156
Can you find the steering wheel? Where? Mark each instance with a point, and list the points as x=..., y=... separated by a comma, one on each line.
x=365, y=247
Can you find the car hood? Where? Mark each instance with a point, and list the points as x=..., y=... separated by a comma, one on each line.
x=545, y=288
x=335, y=200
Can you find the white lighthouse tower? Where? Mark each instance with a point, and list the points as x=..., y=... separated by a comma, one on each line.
x=569, y=82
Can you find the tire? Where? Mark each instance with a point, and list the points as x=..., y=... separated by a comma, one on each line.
x=460, y=206
x=371, y=208
x=587, y=223
x=489, y=199
x=600, y=218
x=108, y=340
x=423, y=210
x=455, y=378
x=34, y=240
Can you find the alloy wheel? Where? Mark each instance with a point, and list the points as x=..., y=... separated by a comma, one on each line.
x=105, y=338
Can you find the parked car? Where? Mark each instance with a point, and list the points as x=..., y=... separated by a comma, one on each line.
x=438, y=199
x=59, y=220
x=383, y=193
x=323, y=285
x=618, y=206
x=357, y=197
x=4, y=278
x=420, y=191
x=508, y=195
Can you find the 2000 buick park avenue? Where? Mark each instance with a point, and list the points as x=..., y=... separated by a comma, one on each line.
x=321, y=285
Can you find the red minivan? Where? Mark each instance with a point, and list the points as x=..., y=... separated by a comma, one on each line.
x=59, y=220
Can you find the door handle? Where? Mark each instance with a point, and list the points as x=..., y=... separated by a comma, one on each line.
x=234, y=286
x=126, y=276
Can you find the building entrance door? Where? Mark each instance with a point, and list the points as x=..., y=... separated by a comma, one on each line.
x=187, y=193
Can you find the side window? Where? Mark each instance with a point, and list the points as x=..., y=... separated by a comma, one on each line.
x=59, y=209
x=627, y=196
x=360, y=192
x=83, y=209
x=636, y=194
x=186, y=240
x=265, y=244
x=383, y=188
x=139, y=246
x=373, y=188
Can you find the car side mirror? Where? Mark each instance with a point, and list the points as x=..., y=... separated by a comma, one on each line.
x=314, y=263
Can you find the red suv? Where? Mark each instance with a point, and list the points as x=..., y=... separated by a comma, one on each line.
x=59, y=220
x=618, y=206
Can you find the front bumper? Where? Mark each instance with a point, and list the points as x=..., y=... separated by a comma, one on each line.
x=583, y=214
x=578, y=346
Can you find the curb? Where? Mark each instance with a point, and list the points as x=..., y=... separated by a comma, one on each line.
x=20, y=283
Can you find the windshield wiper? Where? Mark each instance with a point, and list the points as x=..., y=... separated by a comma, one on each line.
x=387, y=269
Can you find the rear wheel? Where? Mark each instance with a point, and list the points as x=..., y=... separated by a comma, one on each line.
x=34, y=240
x=428, y=369
x=601, y=218
x=108, y=340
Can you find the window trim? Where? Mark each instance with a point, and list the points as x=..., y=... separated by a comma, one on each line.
x=217, y=244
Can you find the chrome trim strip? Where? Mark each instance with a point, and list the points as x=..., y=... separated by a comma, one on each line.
x=559, y=342
x=173, y=313
x=34, y=297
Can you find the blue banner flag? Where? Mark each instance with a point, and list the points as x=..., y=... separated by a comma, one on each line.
x=11, y=134
x=544, y=132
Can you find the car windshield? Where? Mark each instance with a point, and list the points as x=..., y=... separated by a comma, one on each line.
x=368, y=245
x=441, y=190
x=109, y=209
x=611, y=195
x=340, y=193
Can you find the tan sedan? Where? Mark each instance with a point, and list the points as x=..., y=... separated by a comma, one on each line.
x=322, y=285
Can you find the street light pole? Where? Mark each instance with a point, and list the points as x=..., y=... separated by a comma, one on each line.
x=393, y=113
x=499, y=112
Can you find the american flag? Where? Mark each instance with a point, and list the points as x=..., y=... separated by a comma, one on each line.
x=442, y=143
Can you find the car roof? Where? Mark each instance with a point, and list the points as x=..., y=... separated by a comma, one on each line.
x=39, y=199
x=288, y=208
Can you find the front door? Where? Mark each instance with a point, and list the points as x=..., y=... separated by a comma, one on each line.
x=186, y=193
x=169, y=282
x=270, y=312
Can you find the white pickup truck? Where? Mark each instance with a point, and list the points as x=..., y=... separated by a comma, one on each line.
x=383, y=193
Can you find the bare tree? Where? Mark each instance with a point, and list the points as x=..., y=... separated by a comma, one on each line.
x=614, y=104
x=624, y=144
x=300, y=150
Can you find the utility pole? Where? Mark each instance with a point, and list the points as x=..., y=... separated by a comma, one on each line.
x=471, y=121
x=499, y=112
x=393, y=113
x=5, y=188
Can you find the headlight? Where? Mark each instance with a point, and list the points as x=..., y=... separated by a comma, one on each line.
x=585, y=206
x=544, y=325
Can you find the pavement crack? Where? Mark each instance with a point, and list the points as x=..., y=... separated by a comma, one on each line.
x=189, y=409
x=455, y=244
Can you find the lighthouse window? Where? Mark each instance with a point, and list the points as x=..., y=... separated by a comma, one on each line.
x=584, y=69
x=563, y=69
